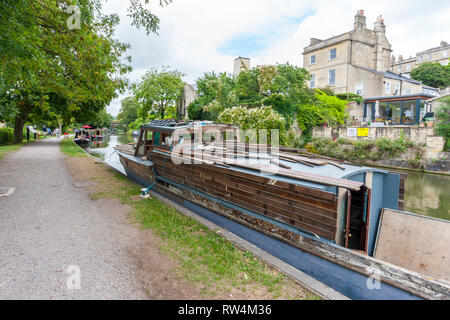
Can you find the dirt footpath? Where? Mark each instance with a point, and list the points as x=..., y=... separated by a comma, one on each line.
x=50, y=226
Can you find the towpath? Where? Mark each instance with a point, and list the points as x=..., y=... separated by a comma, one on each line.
x=51, y=231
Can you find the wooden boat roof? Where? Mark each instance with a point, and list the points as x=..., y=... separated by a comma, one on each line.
x=314, y=173
x=170, y=125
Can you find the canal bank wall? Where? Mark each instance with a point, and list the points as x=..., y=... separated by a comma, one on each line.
x=427, y=154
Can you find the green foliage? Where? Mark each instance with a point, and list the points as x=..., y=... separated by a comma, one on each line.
x=59, y=74
x=283, y=87
x=350, y=97
x=442, y=126
x=216, y=87
x=256, y=118
x=69, y=148
x=129, y=111
x=6, y=135
x=432, y=74
x=328, y=91
x=248, y=88
x=361, y=150
x=157, y=91
x=50, y=71
x=328, y=110
x=216, y=93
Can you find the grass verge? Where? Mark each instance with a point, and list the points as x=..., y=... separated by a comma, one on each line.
x=203, y=257
x=4, y=150
x=71, y=149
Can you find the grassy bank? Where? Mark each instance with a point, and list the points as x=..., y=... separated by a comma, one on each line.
x=203, y=258
x=4, y=150
x=69, y=148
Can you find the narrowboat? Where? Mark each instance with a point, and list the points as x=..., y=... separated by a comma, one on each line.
x=318, y=214
x=97, y=134
x=83, y=142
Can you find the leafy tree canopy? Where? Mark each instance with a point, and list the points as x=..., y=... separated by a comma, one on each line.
x=129, y=111
x=442, y=127
x=432, y=74
x=44, y=61
x=283, y=87
x=328, y=110
x=158, y=90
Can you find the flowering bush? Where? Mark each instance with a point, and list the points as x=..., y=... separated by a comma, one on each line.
x=256, y=118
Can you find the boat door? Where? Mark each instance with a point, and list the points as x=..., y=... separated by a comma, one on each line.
x=358, y=218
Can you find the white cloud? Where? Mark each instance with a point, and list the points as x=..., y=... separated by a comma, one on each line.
x=193, y=31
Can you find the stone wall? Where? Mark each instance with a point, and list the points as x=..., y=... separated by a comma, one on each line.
x=419, y=135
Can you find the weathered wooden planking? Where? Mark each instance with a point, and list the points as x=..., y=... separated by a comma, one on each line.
x=416, y=243
x=312, y=193
x=290, y=192
x=318, y=224
x=291, y=207
x=141, y=170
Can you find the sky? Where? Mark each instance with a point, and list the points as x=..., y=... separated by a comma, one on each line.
x=198, y=36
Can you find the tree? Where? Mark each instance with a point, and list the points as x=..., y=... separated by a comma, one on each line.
x=329, y=110
x=216, y=93
x=283, y=87
x=158, y=90
x=432, y=74
x=442, y=126
x=43, y=59
x=129, y=111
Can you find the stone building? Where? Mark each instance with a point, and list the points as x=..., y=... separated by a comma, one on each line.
x=359, y=61
x=439, y=54
x=344, y=62
x=188, y=95
x=240, y=64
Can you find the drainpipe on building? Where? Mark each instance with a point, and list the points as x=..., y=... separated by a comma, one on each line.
x=401, y=85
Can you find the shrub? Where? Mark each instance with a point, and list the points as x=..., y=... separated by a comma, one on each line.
x=442, y=126
x=327, y=109
x=361, y=150
x=256, y=118
x=6, y=135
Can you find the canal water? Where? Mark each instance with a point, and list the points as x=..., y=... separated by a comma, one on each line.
x=105, y=149
x=425, y=194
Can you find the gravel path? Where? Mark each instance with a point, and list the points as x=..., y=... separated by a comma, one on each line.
x=49, y=224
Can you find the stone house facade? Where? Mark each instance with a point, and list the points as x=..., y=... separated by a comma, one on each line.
x=188, y=95
x=439, y=54
x=358, y=62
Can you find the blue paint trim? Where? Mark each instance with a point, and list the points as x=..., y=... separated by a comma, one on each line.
x=418, y=103
x=345, y=281
x=373, y=111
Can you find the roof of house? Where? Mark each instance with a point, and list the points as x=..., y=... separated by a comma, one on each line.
x=392, y=75
x=404, y=97
x=434, y=49
x=395, y=76
x=412, y=59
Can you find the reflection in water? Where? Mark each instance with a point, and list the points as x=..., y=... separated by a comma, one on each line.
x=428, y=195
x=425, y=194
x=105, y=149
